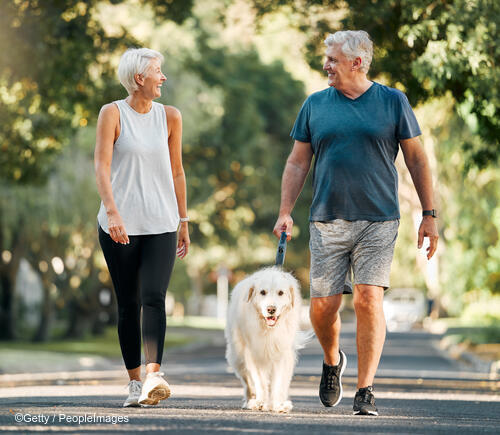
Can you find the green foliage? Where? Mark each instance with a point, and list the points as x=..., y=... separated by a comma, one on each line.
x=55, y=73
x=234, y=166
x=238, y=112
x=426, y=48
x=471, y=221
x=46, y=89
x=106, y=345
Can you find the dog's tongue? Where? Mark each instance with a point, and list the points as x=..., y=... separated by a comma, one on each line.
x=271, y=321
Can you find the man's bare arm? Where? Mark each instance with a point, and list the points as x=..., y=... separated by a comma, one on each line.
x=294, y=176
x=418, y=165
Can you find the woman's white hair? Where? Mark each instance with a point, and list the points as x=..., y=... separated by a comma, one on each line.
x=135, y=61
x=353, y=43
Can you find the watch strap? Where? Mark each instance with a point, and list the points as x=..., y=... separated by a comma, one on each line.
x=430, y=213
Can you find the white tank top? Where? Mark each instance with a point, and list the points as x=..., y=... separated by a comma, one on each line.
x=141, y=175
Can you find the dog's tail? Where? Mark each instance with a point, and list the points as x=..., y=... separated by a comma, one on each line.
x=302, y=338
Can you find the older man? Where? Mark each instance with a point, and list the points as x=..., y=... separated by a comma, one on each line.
x=354, y=129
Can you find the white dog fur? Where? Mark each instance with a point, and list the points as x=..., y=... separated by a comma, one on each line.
x=262, y=337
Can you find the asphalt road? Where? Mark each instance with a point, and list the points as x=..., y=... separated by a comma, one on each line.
x=418, y=389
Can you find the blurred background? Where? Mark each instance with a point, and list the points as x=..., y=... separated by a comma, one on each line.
x=239, y=71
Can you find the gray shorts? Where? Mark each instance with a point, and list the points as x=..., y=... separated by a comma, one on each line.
x=338, y=247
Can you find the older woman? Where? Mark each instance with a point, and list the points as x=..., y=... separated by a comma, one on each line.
x=141, y=181
x=354, y=128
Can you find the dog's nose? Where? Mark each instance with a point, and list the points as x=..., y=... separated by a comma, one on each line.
x=271, y=310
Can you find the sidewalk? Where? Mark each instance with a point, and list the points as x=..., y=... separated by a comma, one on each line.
x=483, y=358
x=27, y=367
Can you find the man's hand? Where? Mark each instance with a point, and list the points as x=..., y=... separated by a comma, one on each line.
x=428, y=229
x=284, y=223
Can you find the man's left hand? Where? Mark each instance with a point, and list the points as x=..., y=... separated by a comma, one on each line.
x=428, y=228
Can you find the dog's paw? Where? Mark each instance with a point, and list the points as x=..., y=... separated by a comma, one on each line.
x=264, y=406
x=253, y=404
x=283, y=407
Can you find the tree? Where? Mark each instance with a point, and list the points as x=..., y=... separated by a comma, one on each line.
x=234, y=164
x=426, y=48
x=55, y=73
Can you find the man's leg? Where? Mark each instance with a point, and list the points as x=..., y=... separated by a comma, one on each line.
x=330, y=246
x=326, y=322
x=325, y=318
x=370, y=330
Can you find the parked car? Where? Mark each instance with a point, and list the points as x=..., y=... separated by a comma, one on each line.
x=403, y=307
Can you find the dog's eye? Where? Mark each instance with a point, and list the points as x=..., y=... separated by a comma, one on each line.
x=280, y=293
x=263, y=292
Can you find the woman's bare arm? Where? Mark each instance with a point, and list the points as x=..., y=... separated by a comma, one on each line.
x=106, y=134
x=174, y=123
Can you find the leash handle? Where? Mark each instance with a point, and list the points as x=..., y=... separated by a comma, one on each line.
x=280, y=254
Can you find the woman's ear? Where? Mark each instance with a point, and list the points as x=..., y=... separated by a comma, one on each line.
x=250, y=293
x=139, y=79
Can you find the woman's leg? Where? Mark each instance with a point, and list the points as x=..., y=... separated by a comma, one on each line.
x=157, y=261
x=123, y=264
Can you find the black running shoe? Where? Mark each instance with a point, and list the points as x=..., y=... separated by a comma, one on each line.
x=330, y=387
x=364, y=402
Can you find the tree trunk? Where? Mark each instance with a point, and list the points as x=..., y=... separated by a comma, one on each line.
x=46, y=312
x=197, y=287
x=84, y=311
x=7, y=307
x=8, y=277
x=81, y=323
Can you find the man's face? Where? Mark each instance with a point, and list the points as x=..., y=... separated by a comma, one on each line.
x=338, y=67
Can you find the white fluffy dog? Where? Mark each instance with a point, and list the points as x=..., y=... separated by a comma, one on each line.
x=262, y=337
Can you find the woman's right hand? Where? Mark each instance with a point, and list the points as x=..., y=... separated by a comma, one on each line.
x=117, y=228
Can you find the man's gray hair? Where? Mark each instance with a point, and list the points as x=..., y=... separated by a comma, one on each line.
x=353, y=43
x=135, y=61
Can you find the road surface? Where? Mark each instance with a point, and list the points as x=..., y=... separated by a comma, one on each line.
x=419, y=390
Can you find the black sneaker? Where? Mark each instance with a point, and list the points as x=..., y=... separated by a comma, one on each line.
x=364, y=402
x=330, y=387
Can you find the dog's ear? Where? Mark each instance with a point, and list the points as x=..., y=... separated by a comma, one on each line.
x=292, y=295
x=250, y=293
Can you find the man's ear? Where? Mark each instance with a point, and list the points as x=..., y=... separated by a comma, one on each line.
x=250, y=293
x=356, y=64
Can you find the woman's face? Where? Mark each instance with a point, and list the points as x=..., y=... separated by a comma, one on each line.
x=153, y=80
x=338, y=67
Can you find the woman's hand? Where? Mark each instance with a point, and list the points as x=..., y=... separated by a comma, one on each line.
x=183, y=241
x=117, y=228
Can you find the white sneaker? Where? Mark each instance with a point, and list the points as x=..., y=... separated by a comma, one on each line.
x=134, y=392
x=155, y=388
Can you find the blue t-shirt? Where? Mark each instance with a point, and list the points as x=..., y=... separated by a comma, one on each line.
x=355, y=143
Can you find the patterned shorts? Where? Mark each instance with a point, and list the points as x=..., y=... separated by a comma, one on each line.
x=340, y=247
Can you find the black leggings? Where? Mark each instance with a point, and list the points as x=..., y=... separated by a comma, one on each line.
x=140, y=272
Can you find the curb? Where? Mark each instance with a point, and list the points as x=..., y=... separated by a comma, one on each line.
x=90, y=376
x=459, y=351
x=60, y=378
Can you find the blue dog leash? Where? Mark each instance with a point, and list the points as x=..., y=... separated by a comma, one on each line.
x=280, y=254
